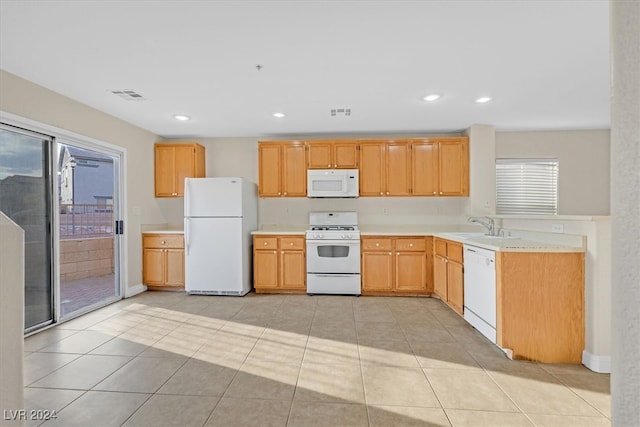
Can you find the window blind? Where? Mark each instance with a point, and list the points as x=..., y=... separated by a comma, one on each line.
x=527, y=186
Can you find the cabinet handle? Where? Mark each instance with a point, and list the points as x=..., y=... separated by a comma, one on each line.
x=410, y=245
x=335, y=166
x=164, y=242
x=435, y=192
x=328, y=166
x=265, y=243
x=377, y=244
x=275, y=252
x=441, y=192
x=389, y=253
x=381, y=193
x=291, y=244
x=387, y=193
x=279, y=193
x=285, y=193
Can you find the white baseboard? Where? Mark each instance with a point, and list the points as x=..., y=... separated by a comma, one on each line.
x=600, y=364
x=134, y=290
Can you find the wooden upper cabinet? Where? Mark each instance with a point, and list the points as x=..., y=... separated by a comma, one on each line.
x=424, y=167
x=373, y=169
x=398, y=173
x=385, y=168
x=269, y=169
x=282, y=169
x=174, y=163
x=453, y=157
x=333, y=154
x=294, y=170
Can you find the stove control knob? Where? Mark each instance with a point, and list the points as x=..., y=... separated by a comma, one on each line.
x=343, y=236
x=317, y=236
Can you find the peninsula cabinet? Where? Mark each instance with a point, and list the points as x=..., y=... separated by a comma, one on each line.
x=163, y=261
x=333, y=154
x=279, y=264
x=174, y=163
x=540, y=305
x=448, y=273
x=396, y=265
x=282, y=169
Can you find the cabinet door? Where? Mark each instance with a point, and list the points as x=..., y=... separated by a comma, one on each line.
x=294, y=171
x=398, y=169
x=454, y=167
x=174, y=260
x=164, y=171
x=153, y=266
x=293, y=270
x=440, y=277
x=455, y=286
x=424, y=168
x=320, y=155
x=185, y=167
x=265, y=269
x=377, y=271
x=269, y=169
x=345, y=155
x=411, y=271
x=372, y=169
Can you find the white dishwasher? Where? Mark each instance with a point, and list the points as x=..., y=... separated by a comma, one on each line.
x=480, y=290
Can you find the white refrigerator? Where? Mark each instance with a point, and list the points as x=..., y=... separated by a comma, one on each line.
x=219, y=216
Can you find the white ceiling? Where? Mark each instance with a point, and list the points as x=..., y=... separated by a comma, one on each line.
x=545, y=63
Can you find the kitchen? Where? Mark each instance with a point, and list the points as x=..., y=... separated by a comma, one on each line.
x=237, y=156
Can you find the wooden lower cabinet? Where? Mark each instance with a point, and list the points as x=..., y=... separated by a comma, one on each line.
x=279, y=264
x=396, y=265
x=163, y=261
x=448, y=273
x=540, y=305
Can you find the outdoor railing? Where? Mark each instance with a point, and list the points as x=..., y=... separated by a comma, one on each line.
x=85, y=221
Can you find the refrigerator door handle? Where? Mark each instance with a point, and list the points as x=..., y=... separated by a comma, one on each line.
x=186, y=235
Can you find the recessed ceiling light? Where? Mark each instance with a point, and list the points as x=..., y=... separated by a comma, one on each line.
x=181, y=117
x=432, y=97
x=483, y=100
x=278, y=115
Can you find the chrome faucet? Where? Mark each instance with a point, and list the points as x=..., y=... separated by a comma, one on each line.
x=486, y=222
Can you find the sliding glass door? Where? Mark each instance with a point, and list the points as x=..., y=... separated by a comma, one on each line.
x=88, y=245
x=25, y=197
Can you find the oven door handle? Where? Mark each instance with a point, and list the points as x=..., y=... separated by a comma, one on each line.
x=333, y=242
x=334, y=274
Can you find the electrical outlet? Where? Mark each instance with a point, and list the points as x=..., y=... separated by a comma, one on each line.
x=557, y=228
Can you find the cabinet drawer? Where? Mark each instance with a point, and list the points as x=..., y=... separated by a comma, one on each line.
x=163, y=241
x=296, y=243
x=454, y=252
x=440, y=247
x=376, y=244
x=260, y=242
x=416, y=244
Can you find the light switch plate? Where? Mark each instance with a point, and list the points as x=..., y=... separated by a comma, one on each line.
x=557, y=228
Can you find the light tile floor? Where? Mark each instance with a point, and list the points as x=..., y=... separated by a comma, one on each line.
x=162, y=359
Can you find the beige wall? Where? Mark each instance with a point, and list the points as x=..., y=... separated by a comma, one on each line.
x=583, y=164
x=33, y=102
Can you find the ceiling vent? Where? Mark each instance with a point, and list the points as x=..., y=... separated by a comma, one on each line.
x=129, y=95
x=340, y=112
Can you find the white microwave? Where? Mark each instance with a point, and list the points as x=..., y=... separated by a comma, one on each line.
x=332, y=183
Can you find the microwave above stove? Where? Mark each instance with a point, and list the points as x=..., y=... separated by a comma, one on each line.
x=332, y=183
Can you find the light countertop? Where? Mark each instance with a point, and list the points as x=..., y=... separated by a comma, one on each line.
x=516, y=241
x=163, y=232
